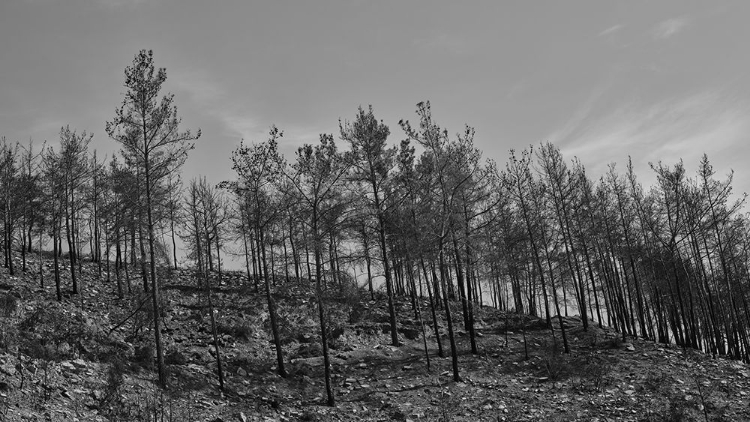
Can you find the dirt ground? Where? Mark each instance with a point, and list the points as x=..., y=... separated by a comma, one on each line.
x=90, y=358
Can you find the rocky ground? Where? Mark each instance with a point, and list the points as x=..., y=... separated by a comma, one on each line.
x=89, y=358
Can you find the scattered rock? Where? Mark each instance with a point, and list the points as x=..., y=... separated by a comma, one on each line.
x=308, y=350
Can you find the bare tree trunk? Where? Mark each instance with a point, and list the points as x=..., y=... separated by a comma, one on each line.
x=118, y=263
x=435, y=326
x=41, y=266
x=368, y=263
x=321, y=314
x=271, y=307
x=448, y=316
x=174, y=242
x=295, y=256
x=71, y=248
x=55, y=236
x=247, y=252
x=219, y=368
x=154, y=281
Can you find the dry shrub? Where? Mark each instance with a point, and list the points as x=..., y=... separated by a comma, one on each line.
x=555, y=364
x=111, y=398
x=144, y=356
x=237, y=329
x=52, y=333
x=8, y=305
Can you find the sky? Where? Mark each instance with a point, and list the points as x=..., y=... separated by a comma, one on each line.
x=603, y=80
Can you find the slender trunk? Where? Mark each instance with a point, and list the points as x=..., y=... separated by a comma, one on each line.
x=154, y=281
x=386, y=267
x=143, y=264
x=295, y=256
x=537, y=259
x=256, y=266
x=469, y=291
x=332, y=259
x=435, y=326
x=41, y=267
x=460, y=280
x=219, y=367
x=174, y=241
x=118, y=263
x=247, y=253
x=106, y=255
x=271, y=306
x=209, y=255
x=578, y=282
x=321, y=314
x=307, y=255
x=555, y=300
x=420, y=319
x=71, y=247
x=23, y=246
x=448, y=316
x=124, y=260
x=286, y=261
x=368, y=264
x=55, y=235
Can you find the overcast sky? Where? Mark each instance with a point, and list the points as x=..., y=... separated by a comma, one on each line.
x=602, y=80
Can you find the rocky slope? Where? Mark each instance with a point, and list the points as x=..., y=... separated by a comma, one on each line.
x=89, y=358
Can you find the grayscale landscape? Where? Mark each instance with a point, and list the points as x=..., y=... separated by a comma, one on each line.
x=372, y=211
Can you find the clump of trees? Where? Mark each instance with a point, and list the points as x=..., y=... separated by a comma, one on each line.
x=428, y=217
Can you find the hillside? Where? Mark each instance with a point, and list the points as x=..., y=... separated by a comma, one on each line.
x=89, y=358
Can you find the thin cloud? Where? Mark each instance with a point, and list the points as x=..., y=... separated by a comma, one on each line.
x=516, y=89
x=611, y=30
x=213, y=99
x=683, y=127
x=670, y=27
x=580, y=117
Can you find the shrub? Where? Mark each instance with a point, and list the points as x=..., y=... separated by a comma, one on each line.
x=555, y=365
x=53, y=333
x=144, y=356
x=614, y=342
x=677, y=409
x=175, y=357
x=295, y=323
x=110, y=397
x=238, y=330
x=8, y=334
x=346, y=293
x=656, y=381
x=8, y=305
x=49, y=334
x=593, y=372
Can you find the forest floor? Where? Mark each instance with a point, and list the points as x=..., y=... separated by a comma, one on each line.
x=77, y=360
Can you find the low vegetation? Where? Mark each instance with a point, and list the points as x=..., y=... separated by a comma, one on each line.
x=77, y=359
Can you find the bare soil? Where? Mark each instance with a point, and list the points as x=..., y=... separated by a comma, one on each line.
x=90, y=358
